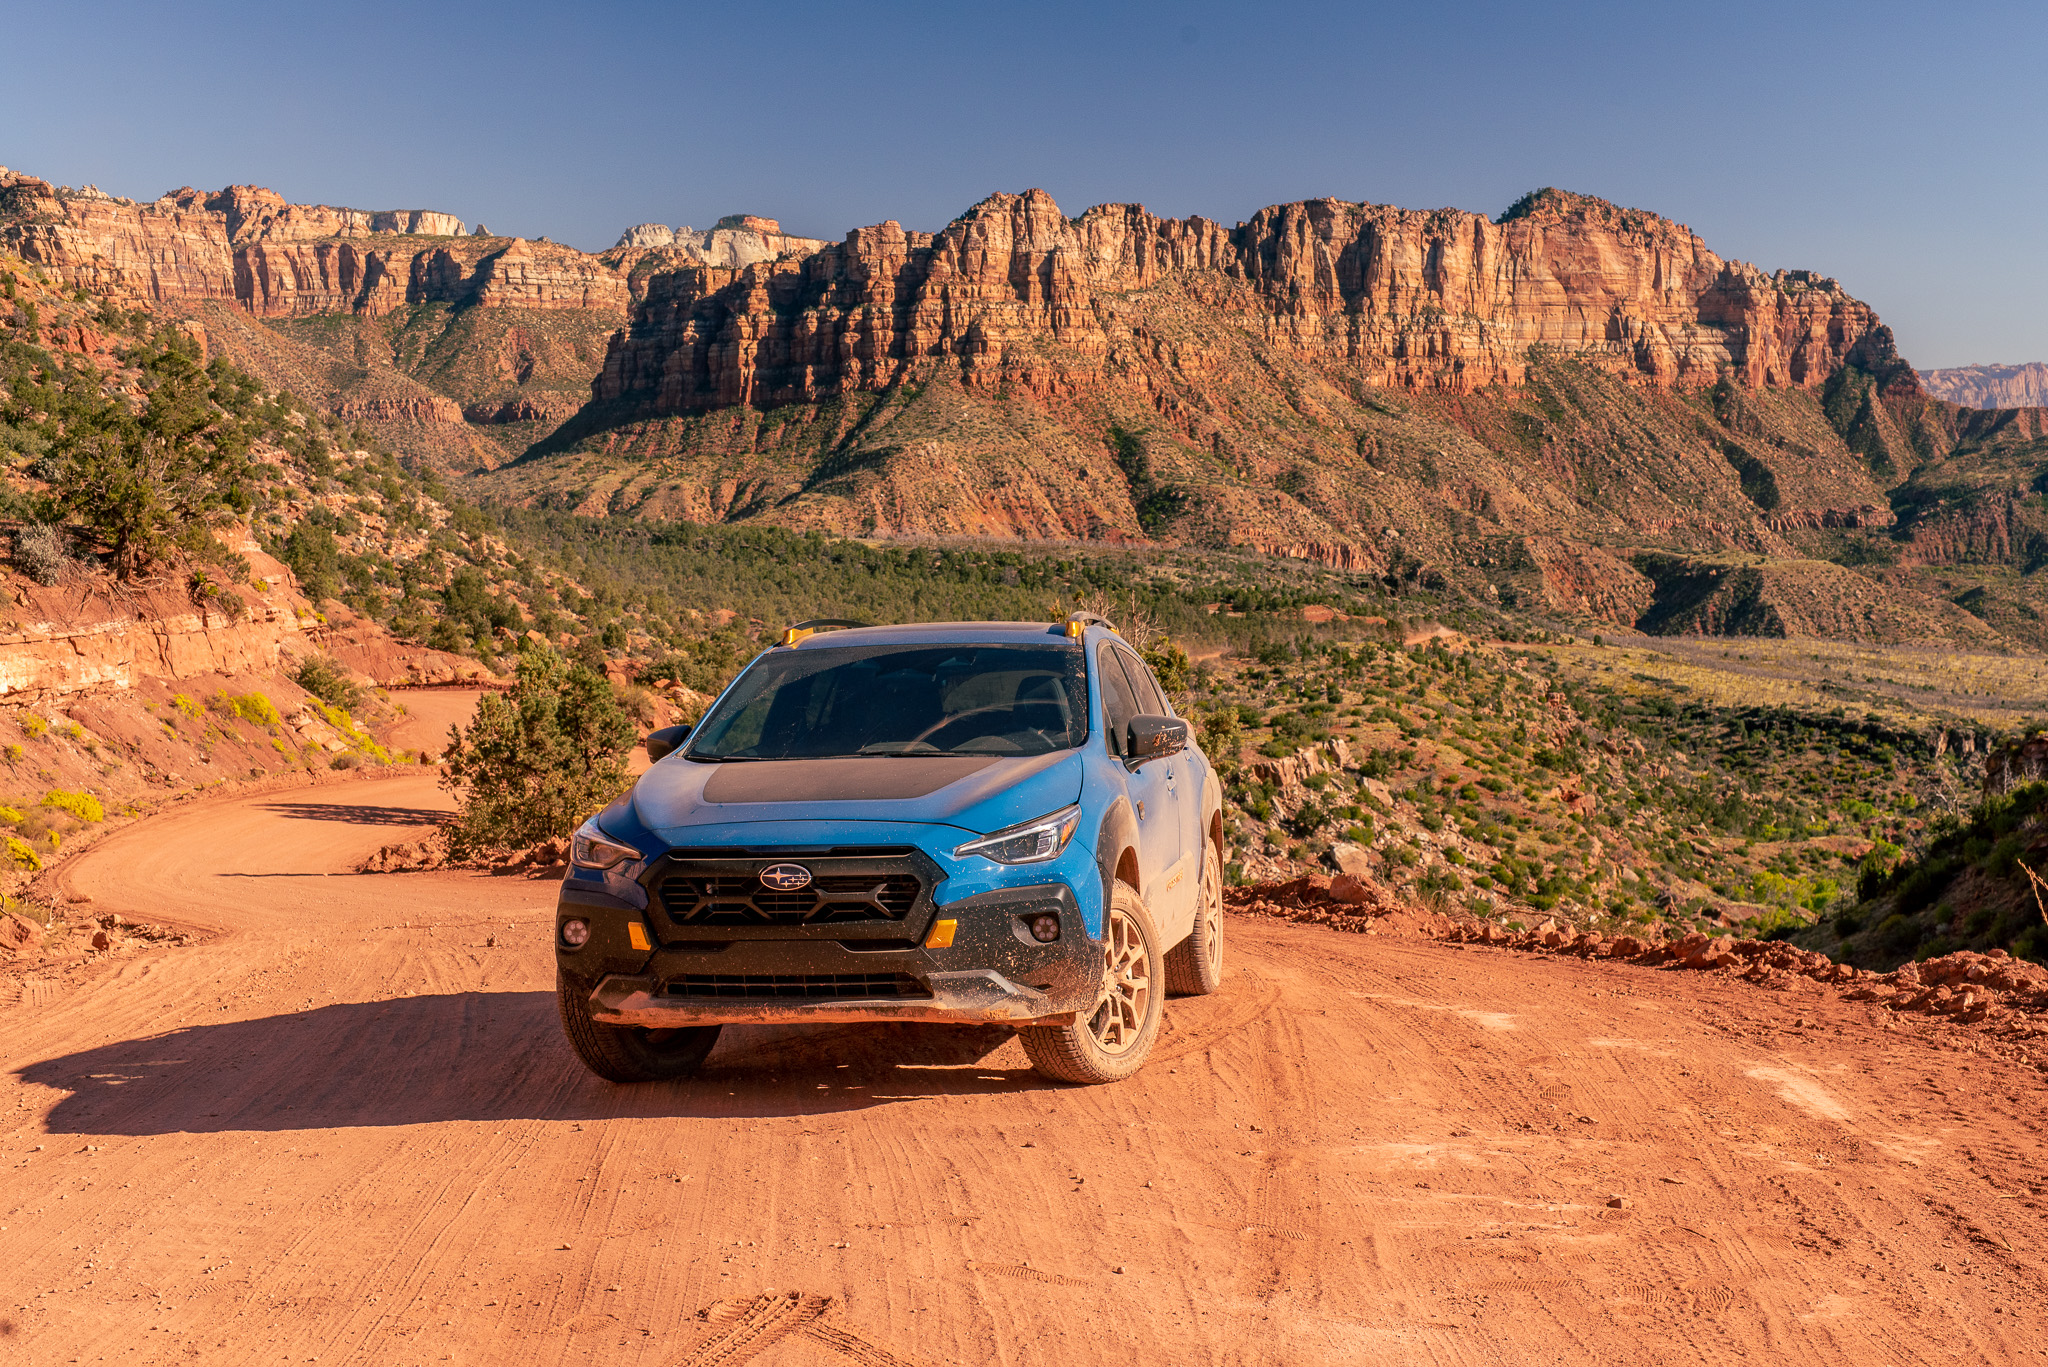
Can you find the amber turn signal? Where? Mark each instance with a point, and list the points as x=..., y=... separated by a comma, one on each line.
x=942, y=935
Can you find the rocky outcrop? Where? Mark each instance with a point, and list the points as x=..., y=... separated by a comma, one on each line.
x=738, y=240
x=63, y=642
x=1586, y=581
x=278, y=259
x=1990, y=386
x=1402, y=299
x=1724, y=597
x=116, y=650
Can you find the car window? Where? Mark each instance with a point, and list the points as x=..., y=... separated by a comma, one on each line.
x=1119, y=702
x=824, y=702
x=1150, y=698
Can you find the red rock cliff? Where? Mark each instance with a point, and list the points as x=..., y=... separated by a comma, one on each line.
x=1428, y=300
x=246, y=244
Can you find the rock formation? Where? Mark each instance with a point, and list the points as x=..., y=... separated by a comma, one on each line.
x=738, y=240
x=1402, y=299
x=1990, y=386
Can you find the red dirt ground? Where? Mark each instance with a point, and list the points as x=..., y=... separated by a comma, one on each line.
x=346, y=1129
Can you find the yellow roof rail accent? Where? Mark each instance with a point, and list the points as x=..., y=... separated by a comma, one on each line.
x=1079, y=622
x=791, y=635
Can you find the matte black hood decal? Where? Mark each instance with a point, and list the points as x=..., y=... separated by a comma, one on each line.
x=856, y=778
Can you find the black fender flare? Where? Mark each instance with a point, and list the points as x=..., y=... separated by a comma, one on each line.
x=1116, y=836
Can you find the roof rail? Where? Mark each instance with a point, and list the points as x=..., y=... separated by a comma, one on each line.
x=1078, y=622
x=791, y=635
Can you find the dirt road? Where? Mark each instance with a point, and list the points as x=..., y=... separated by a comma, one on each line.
x=345, y=1130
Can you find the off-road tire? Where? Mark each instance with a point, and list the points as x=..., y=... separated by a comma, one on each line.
x=1194, y=967
x=628, y=1053
x=1111, y=1040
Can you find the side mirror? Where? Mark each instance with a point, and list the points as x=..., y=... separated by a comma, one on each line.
x=1152, y=737
x=669, y=739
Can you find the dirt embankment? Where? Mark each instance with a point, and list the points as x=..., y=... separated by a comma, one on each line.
x=2004, y=996
x=345, y=1128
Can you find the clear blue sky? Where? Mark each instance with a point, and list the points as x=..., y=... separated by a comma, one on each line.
x=1897, y=147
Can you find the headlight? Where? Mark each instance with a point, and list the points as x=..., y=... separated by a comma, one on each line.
x=590, y=848
x=1034, y=842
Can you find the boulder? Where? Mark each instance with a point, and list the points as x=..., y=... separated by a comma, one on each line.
x=1351, y=859
x=18, y=934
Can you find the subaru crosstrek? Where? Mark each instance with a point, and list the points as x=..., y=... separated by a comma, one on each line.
x=965, y=822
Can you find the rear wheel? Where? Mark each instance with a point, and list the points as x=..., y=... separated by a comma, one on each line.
x=1110, y=1041
x=1194, y=967
x=628, y=1053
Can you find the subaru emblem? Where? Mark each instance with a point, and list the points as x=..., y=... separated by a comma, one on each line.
x=785, y=877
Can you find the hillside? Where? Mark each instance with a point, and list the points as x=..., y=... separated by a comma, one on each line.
x=210, y=582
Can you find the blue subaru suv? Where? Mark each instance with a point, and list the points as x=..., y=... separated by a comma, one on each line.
x=964, y=822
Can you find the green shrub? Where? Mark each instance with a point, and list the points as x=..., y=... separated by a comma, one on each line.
x=1896, y=934
x=329, y=682
x=537, y=760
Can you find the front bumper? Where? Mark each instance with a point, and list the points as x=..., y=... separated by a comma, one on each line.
x=994, y=971
x=957, y=998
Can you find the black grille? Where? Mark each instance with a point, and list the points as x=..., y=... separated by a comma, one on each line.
x=809, y=986
x=739, y=899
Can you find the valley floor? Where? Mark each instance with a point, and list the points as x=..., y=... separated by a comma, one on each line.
x=346, y=1129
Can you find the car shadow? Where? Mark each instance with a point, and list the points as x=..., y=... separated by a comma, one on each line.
x=491, y=1056
x=357, y=814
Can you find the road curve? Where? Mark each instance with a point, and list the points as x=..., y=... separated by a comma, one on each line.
x=345, y=1129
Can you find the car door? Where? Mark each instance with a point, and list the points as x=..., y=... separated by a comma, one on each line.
x=1185, y=778
x=1155, y=792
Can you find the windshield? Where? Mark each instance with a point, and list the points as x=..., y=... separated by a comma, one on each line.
x=902, y=700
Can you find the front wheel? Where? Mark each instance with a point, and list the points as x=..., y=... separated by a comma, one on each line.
x=628, y=1053
x=1194, y=967
x=1111, y=1041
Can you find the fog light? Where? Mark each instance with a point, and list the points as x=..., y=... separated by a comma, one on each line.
x=1045, y=929
x=575, y=933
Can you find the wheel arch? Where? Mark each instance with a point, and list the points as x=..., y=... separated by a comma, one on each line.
x=1116, y=851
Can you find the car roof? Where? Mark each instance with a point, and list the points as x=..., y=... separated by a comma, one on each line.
x=941, y=633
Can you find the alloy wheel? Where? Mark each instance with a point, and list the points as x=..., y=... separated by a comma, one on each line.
x=1127, y=985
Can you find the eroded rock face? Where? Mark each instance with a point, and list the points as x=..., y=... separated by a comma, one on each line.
x=278, y=259
x=738, y=240
x=1440, y=300
x=1990, y=386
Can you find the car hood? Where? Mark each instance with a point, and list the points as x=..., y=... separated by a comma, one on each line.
x=977, y=793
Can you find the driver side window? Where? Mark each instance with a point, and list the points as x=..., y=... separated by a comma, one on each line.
x=1118, y=704
x=1150, y=697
